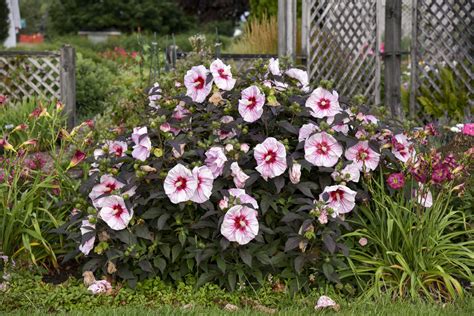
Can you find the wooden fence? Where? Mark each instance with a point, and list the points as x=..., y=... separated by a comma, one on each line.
x=45, y=74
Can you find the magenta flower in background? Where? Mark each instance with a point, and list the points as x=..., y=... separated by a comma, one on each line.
x=338, y=197
x=363, y=156
x=322, y=150
x=468, y=129
x=323, y=103
x=271, y=158
x=114, y=212
x=440, y=173
x=205, y=180
x=180, y=184
x=396, y=180
x=222, y=75
x=240, y=224
x=215, y=160
x=251, y=104
x=78, y=157
x=195, y=82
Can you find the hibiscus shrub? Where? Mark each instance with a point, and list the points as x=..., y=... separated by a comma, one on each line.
x=231, y=180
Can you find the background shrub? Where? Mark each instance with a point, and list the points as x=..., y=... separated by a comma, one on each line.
x=4, y=21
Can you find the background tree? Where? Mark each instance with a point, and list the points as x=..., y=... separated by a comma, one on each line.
x=4, y=21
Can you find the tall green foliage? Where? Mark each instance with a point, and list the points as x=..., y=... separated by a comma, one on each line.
x=163, y=16
x=4, y=22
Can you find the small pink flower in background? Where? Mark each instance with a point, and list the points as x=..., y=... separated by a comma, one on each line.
x=323, y=217
x=306, y=130
x=222, y=75
x=363, y=156
x=142, y=148
x=117, y=148
x=274, y=67
x=361, y=134
x=177, y=84
x=363, y=241
x=325, y=302
x=239, y=176
x=396, y=180
x=87, y=227
x=251, y=104
x=382, y=48
x=215, y=160
x=301, y=76
x=424, y=197
x=177, y=153
x=240, y=224
x=468, y=129
x=244, y=147
x=229, y=147
x=243, y=198
x=114, y=212
x=166, y=127
x=180, y=184
x=323, y=103
x=226, y=134
x=195, y=82
x=99, y=287
x=350, y=172
x=78, y=157
x=322, y=150
x=401, y=147
x=3, y=99
x=271, y=158
x=340, y=198
x=205, y=180
x=366, y=118
x=180, y=112
x=295, y=173
x=224, y=203
x=20, y=127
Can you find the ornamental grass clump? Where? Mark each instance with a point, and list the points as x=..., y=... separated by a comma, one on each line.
x=228, y=179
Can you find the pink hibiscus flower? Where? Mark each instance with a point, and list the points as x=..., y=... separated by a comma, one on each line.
x=180, y=184
x=117, y=148
x=87, y=227
x=239, y=176
x=222, y=75
x=99, y=287
x=243, y=198
x=142, y=148
x=301, y=76
x=323, y=103
x=363, y=156
x=205, y=180
x=274, y=67
x=340, y=198
x=251, y=104
x=240, y=224
x=322, y=150
x=350, y=172
x=215, y=160
x=108, y=184
x=114, y=212
x=195, y=82
x=306, y=130
x=424, y=197
x=401, y=147
x=271, y=158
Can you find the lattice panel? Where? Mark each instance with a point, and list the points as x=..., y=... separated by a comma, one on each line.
x=30, y=75
x=343, y=45
x=445, y=34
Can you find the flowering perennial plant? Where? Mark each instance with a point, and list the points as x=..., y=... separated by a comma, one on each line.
x=233, y=178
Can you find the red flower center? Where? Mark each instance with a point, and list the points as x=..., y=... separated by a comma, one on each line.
x=110, y=187
x=222, y=74
x=336, y=195
x=252, y=103
x=270, y=156
x=180, y=183
x=240, y=222
x=322, y=148
x=324, y=104
x=362, y=154
x=118, y=210
x=199, y=82
x=118, y=151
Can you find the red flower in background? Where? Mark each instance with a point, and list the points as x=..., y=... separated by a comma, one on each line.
x=77, y=158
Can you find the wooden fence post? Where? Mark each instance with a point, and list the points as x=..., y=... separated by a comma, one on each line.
x=287, y=28
x=392, y=56
x=68, y=83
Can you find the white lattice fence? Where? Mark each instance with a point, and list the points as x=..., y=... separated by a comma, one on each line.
x=28, y=74
x=443, y=39
x=49, y=75
x=342, y=45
